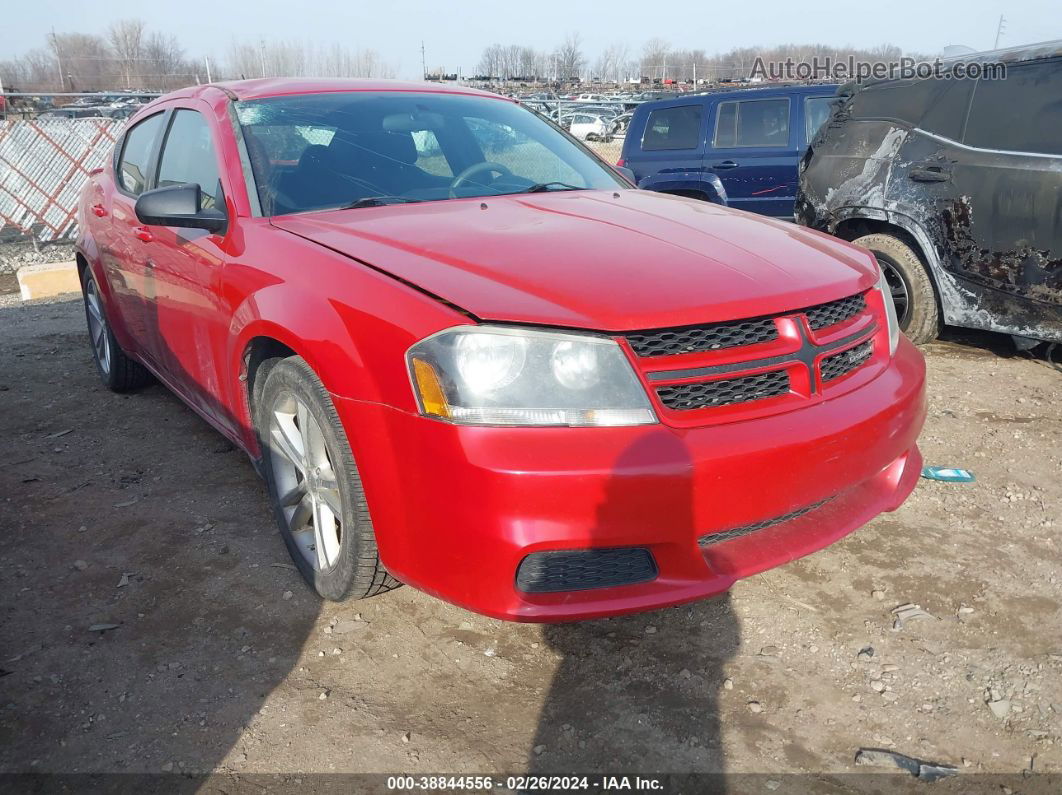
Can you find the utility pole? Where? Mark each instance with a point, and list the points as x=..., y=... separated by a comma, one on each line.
x=206, y=60
x=58, y=61
x=1000, y=28
x=423, y=62
x=261, y=57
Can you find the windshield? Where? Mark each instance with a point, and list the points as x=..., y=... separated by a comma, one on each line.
x=318, y=151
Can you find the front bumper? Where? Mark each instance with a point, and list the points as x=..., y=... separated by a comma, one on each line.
x=457, y=508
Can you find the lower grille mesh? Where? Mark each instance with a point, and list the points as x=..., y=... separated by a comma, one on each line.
x=581, y=569
x=740, y=532
x=704, y=394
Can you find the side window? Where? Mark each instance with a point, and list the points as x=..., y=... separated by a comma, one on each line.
x=188, y=156
x=1021, y=113
x=946, y=114
x=133, y=164
x=902, y=100
x=673, y=128
x=752, y=122
x=816, y=111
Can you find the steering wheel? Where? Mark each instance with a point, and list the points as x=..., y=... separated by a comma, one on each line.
x=477, y=168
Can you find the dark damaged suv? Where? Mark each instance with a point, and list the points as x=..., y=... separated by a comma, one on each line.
x=956, y=186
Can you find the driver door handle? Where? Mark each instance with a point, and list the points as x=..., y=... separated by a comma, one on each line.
x=929, y=172
x=725, y=164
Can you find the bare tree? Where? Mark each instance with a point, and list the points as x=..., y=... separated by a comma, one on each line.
x=655, y=54
x=570, y=60
x=126, y=38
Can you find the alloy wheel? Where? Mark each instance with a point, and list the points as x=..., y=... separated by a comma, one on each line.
x=901, y=294
x=306, y=482
x=97, y=323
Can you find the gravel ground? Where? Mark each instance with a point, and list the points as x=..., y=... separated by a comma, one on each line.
x=129, y=512
x=14, y=255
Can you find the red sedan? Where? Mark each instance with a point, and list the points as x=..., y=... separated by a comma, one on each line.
x=466, y=355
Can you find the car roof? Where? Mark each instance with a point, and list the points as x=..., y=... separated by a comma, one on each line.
x=1026, y=53
x=265, y=87
x=745, y=93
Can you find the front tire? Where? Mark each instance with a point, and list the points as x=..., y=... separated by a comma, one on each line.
x=117, y=370
x=314, y=484
x=917, y=307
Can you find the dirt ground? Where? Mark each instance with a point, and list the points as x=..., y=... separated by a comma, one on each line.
x=130, y=511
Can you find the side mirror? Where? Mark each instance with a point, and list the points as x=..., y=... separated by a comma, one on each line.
x=179, y=205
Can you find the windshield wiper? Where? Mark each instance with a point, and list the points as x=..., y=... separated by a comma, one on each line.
x=378, y=201
x=544, y=187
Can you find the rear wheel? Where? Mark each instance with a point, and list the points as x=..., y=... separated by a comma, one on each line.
x=314, y=485
x=912, y=290
x=118, y=372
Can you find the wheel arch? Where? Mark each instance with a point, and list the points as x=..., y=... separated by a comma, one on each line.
x=906, y=229
x=357, y=353
x=262, y=330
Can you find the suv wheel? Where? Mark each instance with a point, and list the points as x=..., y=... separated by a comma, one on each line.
x=912, y=290
x=118, y=372
x=314, y=485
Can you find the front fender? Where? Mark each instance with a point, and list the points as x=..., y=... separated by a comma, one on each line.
x=357, y=353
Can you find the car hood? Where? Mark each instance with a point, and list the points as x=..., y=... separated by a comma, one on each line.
x=605, y=260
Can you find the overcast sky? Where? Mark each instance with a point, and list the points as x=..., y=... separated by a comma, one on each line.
x=454, y=33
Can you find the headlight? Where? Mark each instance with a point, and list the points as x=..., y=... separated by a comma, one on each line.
x=489, y=375
x=890, y=311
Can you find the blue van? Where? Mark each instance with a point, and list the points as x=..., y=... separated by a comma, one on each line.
x=751, y=139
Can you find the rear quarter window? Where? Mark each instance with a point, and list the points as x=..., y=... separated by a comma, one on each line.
x=673, y=128
x=816, y=111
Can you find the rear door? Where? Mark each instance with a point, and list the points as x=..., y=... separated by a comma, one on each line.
x=754, y=149
x=672, y=142
x=126, y=253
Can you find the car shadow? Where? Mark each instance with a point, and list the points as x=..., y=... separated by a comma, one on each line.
x=149, y=604
x=640, y=694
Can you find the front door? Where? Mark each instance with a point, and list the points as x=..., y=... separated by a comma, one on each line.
x=188, y=268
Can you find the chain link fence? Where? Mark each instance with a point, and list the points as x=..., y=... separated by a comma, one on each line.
x=600, y=123
x=43, y=165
